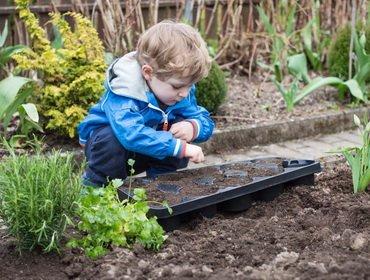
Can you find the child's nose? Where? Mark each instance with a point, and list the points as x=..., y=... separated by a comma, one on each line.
x=183, y=93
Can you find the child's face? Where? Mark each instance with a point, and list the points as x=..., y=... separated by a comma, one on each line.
x=170, y=91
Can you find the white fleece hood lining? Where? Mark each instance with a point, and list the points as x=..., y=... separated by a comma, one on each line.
x=127, y=79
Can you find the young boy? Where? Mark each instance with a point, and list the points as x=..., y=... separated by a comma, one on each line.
x=149, y=111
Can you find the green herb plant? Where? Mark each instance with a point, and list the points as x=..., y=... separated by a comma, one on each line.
x=107, y=221
x=359, y=157
x=37, y=197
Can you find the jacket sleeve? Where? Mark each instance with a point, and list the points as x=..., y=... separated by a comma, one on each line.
x=200, y=119
x=128, y=126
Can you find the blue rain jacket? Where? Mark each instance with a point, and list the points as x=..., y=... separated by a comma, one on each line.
x=131, y=109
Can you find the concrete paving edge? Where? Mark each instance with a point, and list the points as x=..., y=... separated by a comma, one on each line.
x=251, y=135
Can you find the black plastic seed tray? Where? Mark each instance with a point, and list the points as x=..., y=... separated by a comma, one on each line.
x=235, y=198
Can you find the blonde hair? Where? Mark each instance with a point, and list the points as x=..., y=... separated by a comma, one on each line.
x=174, y=50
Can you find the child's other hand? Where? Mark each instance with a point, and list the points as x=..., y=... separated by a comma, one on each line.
x=182, y=130
x=194, y=153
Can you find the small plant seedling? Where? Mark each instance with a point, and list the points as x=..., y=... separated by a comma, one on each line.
x=359, y=157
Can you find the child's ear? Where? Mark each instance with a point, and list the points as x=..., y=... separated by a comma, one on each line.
x=147, y=72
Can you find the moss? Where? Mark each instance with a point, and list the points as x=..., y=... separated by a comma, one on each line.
x=212, y=90
x=338, y=55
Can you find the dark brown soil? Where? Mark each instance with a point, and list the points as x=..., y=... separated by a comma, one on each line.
x=257, y=101
x=317, y=232
x=174, y=188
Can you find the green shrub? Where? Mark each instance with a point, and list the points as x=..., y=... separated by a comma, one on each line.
x=37, y=197
x=212, y=90
x=71, y=68
x=338, y=55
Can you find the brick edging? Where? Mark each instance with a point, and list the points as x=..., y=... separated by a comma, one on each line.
x=251, y=135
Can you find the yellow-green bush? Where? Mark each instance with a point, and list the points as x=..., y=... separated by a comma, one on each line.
x=212, y=90
x=338, y=56
x=72, y=75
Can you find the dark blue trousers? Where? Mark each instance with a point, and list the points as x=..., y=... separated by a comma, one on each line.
x=107, y=160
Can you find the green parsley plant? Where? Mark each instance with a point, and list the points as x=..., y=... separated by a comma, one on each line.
x=107, y=221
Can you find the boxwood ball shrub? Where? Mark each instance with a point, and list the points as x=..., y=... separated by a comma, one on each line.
x=338, y=55
x=212, y=90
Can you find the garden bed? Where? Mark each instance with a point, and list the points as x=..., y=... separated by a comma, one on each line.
x=254, y=113
x=317, y=232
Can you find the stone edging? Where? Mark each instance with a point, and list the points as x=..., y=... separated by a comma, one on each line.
x=252, y=135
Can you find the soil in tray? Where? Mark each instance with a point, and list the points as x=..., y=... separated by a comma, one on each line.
x=183, y=186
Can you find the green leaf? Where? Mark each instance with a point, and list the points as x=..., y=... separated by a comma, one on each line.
x=362, y=41
x=297, y=66
x=278, y=71
x=265, y=21
x=169, y=209
x=19, y=100
x=353, y=158
x=363, y=74
x=367, y=128
x=313, y=58
x=31, y=111
x=29, y=118
x=355, y=89
x=9, y=87
x=291, y=21
x=280, y=87
x=139, y=194
x=362, y=57
x=4, y=34
x=315, y=84
x=117, y=183
x=131, y=162
x=264, y=66
x=364, y=181
x=7, y=53
x=307, y=35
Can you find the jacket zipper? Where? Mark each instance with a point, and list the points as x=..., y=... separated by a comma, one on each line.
x=164, y=115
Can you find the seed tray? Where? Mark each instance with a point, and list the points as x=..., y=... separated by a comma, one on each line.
x=234, y=198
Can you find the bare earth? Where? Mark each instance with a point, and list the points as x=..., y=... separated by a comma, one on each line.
x=316, y=232
x=255, y=101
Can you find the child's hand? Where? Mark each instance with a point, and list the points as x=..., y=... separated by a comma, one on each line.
x=183, y=130
x=194, y=153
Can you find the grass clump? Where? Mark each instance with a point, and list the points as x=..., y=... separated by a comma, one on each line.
x=37, y=198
